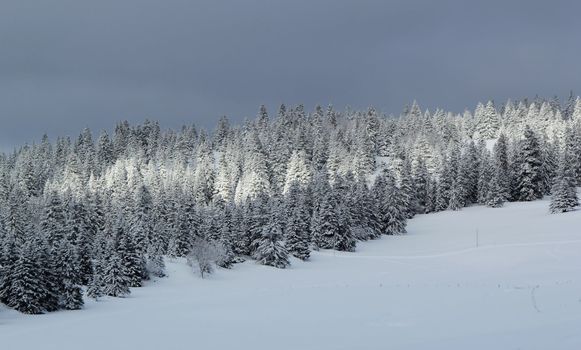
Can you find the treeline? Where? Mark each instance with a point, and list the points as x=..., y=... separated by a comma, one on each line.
x=98, y=216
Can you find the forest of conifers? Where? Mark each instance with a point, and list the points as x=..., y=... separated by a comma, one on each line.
x=97, y=214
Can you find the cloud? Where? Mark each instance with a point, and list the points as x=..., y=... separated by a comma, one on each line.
x=67, y=64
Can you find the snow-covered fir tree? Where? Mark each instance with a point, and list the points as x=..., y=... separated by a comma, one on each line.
x=564, y=193
x=270, y=249
x=115, y=281
x=391, y=210
x=297, y=230
x=528, y=167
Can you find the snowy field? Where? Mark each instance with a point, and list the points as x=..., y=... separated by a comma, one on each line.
x=432, y=289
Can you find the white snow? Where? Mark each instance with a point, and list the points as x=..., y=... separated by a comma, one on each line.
x=431, y=289
x=381, y=163
x=490, y=144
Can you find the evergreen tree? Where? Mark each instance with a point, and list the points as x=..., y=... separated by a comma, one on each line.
x=564, y=193
x=496, y=195
x=485, y=175
x=488, y=123
x=270, y=250
x=226, y=239
x=407, y=190
x=363, y=212
x=28, y=291
x=181, y=242
x=297, y=230
x=95, y=288
x=528, y=175
x=71, y=294
x=549, y=165
x=241, y=223
x=115, y=281
x=297, y=171
x=255, y=179
x=432, y=196
x=330, y=226
x=8, y=258
x=392, y=218
x=500, y=152
x=54, y=221
x=140, y=225
x=448, y=173
x=133, y=262
x=468, y=176
x=81, y=237
x=456, y=197
x=421, y=181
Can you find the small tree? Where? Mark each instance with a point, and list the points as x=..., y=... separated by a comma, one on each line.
x=155, y=265
x=203, y=255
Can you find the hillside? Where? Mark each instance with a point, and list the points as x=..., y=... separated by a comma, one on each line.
x=432, y=288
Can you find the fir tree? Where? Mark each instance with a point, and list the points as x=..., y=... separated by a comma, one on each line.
x=181, y=242
x=330, y=225
x=407, y=190
x=297, y=230
x=81, y=237
x=421, y=183
x=140, y=225
x=485, y=175
x=115, y=282
x=270, y=250
x=297, y=171
x=54, y=221
x=132, y=260
x=564, y=193
x=488, y=123
x=28, y=291
x=71, y=295
x=95, y=288
x=500, y=152
x=528, y=175
x=363, y=212
x=456, y=199
x=496, y=195
x=392, y=218
x=468, y=176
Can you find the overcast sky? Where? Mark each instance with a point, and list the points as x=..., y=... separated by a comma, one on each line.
x=70, y=64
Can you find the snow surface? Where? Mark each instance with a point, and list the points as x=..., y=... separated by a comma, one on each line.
x=490, y=144
x=431, y=289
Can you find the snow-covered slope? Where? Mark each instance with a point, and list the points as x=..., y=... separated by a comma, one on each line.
x=431, y=289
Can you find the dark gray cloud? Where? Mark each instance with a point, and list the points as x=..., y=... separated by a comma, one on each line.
x=69, y=64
